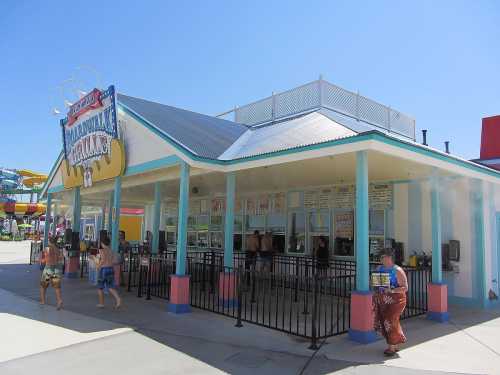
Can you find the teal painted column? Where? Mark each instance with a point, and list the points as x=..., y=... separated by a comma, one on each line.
x=47, y=220
x=54, y=214
x=156, y=218
x=362, y=208
x=110, y=213
x=77, y=209
x=183, y=219
x=98, y=225
x=229, y=223
x=115, y=225
x=437, y=263
x=479, y=274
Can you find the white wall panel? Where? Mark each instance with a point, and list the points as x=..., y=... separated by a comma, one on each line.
x=141, y=144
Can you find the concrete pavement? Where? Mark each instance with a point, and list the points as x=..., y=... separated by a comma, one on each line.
x=143, y=337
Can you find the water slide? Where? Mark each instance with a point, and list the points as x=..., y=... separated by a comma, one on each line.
x=16, y=182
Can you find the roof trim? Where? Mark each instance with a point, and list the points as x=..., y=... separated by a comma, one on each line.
x=186, y=154
x=52, y=174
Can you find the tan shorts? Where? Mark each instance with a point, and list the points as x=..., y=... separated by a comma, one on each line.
x=51, y=275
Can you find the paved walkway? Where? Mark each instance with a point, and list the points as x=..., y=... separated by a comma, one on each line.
x=143, y=338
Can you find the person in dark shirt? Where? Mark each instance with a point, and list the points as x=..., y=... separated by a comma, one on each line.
x=123, y=245
x=322, y=255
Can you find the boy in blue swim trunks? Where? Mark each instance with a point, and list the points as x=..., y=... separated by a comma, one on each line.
x=105, y=274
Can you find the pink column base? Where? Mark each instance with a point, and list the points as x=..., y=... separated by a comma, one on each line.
x=227, y=286
x=179, y=290
x=438, y=297
x=362, y=317
x=179, y=295
x=437, y=302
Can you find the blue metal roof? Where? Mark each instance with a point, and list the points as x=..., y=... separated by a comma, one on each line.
x=203, y=135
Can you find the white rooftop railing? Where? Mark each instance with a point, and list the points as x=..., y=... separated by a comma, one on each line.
x=322, y=94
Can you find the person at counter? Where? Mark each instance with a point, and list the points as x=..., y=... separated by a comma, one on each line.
x=390, y=302
x=123, y=245
x=322, y=256
x=266, y=252
x=253, y=247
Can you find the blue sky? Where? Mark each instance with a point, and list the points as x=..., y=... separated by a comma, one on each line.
x=437, y=61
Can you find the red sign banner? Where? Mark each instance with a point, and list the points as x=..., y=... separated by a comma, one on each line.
x=90, y=101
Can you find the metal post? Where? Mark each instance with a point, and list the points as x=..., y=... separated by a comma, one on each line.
x=115, y=227
x=77, y=209
x=314, y=333
x=183, y=218
x=229, y=223
x=156, y=218
x=129, y=269
x=362, y=207
x=239, y=285
x=139, y=286
x=148, y=293
x=437, y=271
x=47, y=221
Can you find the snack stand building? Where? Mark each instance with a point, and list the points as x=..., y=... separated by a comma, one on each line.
x=315, y=161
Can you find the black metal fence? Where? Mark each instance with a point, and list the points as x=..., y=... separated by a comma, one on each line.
x=292, y=294
x=313, y=306
x=84, y=263
x=416, y=297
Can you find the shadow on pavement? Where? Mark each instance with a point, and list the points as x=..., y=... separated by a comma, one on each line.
x=205, y=336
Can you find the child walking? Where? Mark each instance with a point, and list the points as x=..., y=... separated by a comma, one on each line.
x=105, y=275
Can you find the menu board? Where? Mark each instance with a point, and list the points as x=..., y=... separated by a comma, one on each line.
x=324, y=198
x=380, y=196
x=344, y=197
x=204, y=208
x=344, y=224
x=251, y=206
x=294, y=199
x=218, y=206
x=194, y=208
x=279, y=203
x=263, y=205
x=172, y=208
x=311, y=199
x=237, y=206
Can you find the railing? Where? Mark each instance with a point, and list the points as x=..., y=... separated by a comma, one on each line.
x=84, y=263
x=312, y=306
x=154, y=275
x=416, y=298
x=292, y=294
x=322, y=94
